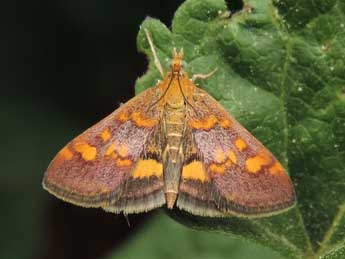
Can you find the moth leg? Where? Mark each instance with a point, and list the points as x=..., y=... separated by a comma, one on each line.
x=155, y=57
x=204, y=76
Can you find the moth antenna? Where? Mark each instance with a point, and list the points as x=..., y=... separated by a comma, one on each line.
x=184, y=97
x=154, y=53
x=181, y=53
x=174, y=52
x=160, y=98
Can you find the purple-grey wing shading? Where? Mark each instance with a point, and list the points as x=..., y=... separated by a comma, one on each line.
x=241, y=177
x=101, y=167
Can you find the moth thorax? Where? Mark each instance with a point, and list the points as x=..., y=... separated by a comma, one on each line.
x=173, y=96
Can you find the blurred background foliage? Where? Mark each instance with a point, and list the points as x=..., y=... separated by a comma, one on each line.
x=64, y=66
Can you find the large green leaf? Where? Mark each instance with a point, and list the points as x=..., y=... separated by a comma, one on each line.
x=281, y=73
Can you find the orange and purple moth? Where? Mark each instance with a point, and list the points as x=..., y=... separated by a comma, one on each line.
x=172, y=145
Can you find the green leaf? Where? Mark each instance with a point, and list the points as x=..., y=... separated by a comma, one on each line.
x=335, y=253
x=281, y=73
x=163, y=238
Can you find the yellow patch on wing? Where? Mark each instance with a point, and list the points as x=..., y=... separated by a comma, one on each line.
x=143, y=122
x=123, y=117
x=195, y=171
x=220, y=156
x=254, y=164
x=66, y=154
x=138, y=119
x=240, y=144
x=110, y=149
x=113, y=155
x=225, y=123
x=87, y=152
x=120, y=155
x=276, y=168
x=223, y=161
x=209, y=123
x=123, y=162
x=123, y=151
x=228, y=163
x=219, y=169
x=232, y=157
x=105, y=135
x=147, y=168
x=205, y=124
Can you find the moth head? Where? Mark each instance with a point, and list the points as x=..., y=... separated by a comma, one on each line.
x=177, y=63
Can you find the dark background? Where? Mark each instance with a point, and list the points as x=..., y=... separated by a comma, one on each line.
x=64, y=66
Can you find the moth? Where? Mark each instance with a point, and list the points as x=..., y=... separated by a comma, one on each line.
x=172, y=145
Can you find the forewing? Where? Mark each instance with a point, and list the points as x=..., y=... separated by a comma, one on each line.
x=102, y=166
x=241, y=176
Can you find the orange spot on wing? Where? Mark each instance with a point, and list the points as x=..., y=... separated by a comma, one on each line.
x=105, y=135
x=225, y=123
x=194, y=170
x=255, y=163
x=276, y=168
x=123, y=116
x=220, y=156
x=240, y=144
x=228, y=163
x=114, y=155
x=87, y=152
x=110, y=149
x=90, y=154
x=80, y=147
x=143, y=122
x=206, y=123
x=123, y=151
x=147, y=168
x=66, y=154
x=232, y=157
x=138, y=119
x=123, y=162
x=219, y=169
x=223, y=161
